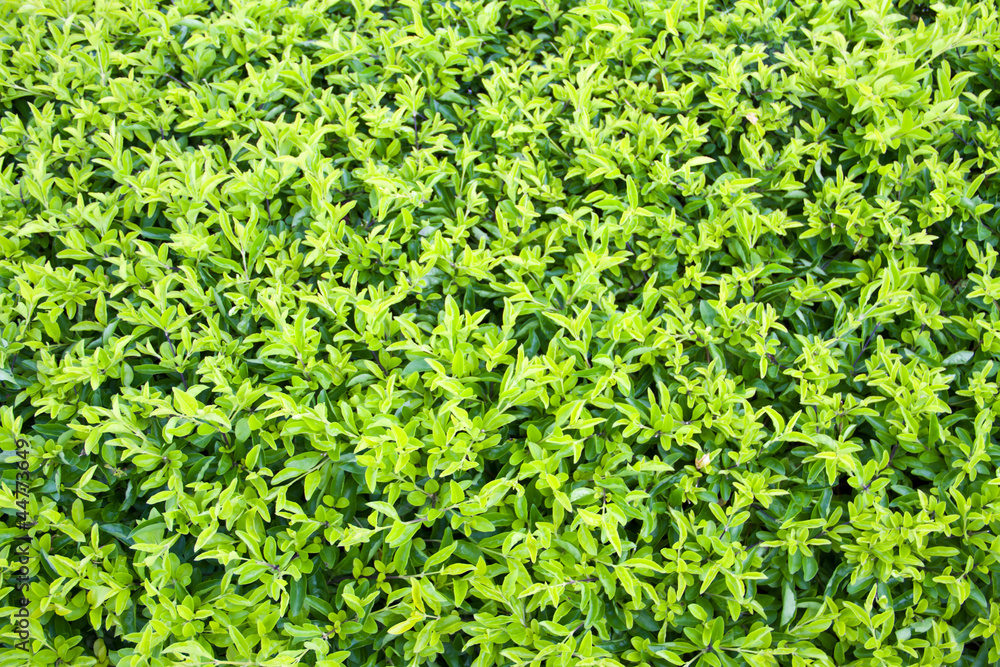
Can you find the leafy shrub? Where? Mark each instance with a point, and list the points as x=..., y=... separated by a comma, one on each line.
x=520, y=332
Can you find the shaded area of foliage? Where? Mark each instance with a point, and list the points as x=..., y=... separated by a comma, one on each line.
x=519, y=332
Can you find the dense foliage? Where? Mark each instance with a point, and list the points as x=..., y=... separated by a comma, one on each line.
x=520, y=332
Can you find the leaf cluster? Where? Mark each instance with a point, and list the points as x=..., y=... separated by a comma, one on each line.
x=501, y=333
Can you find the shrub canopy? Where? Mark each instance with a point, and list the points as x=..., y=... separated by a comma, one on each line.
x=521, y=332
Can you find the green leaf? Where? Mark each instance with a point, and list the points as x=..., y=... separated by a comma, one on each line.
x=788, y=602
x=242, y=430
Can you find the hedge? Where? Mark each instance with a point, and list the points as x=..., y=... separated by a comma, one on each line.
x=527, y=333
